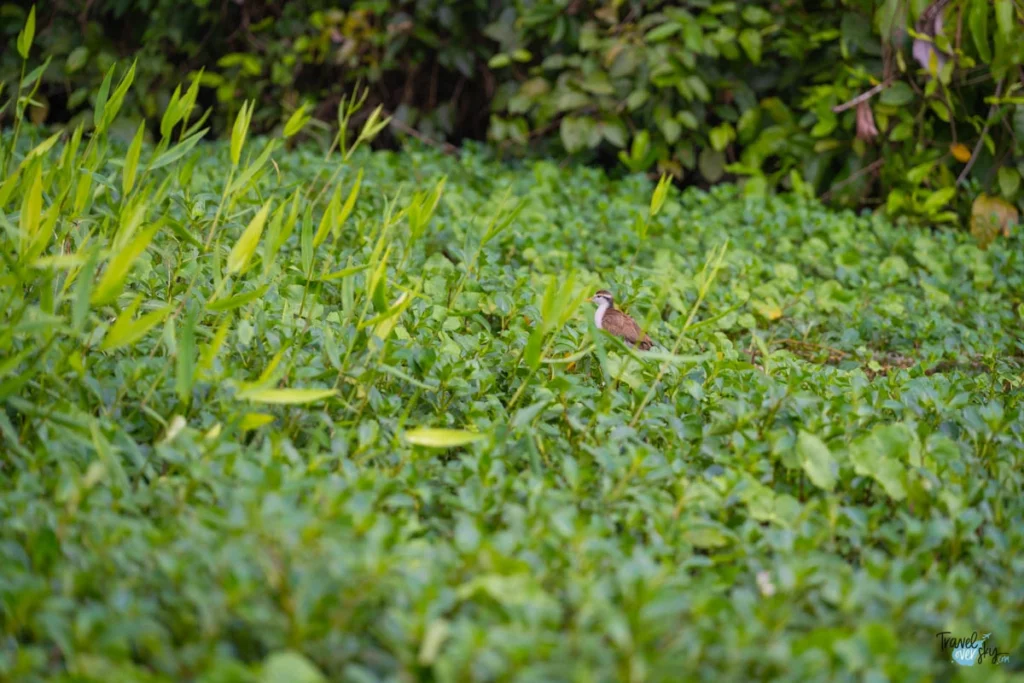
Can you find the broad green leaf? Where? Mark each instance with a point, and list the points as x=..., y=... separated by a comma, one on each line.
x=286, y=396
x=897, y=95
x=431, y=437
x=290, y=667
x=238, y=259
x=750, y=41
x=1004, y=19
x=1009, y=182
x=816, y=460
x=977, y=20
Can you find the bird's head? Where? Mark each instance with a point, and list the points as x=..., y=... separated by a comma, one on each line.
x=603, y=298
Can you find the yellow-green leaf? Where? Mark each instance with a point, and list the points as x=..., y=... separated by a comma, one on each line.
x=286, y=396
x=442, y=438
x=329, y=218
x=131, y=160
x=31, y=210
x=296, y=121
x=27, y=34
x=252, y=421
x=113, y=278
x=126, y=330
x=238, y=259
x=238, y=132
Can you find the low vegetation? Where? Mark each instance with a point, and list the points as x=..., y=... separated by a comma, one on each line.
x=284, y=415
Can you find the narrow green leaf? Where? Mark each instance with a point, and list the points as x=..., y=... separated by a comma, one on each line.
x=977, y=20
x=178, y=151
x=442, y=438
x=117, y=98
x=171, y=115
x=237, y=301
x=126, y=331
x=286, y=396
x=101, y=98
x=328, y=220
x=31, y=210
x=131, y=160
x=113, y=278
x=244, y=248
x=83, y=288
x=27, y=34
x=185, y=362
x=297, y=121
x=238, y=132
x=252, y=169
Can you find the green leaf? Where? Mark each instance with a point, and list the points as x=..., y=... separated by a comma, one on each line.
x=297, y=121
x=662, y=32
x=897, y=95
x=238, y=259
x=977, y=20
x=101, y=98
x=1009, y=182
x=31, y=211
x=239, y=131
x=441, y=438
x=816, y=460
x=131, y=160
x=1004, y=18
x=236, y=301
x=27, y=34
x=286, y=396
x=185, y=361
x=117, y=269
x=750, y=41
x=178, y=151
x=126, y=330
x=711, y=163
x=290, y=667
x=113, y=105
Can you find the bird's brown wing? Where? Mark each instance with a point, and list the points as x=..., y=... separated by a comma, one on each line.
x=621, y=325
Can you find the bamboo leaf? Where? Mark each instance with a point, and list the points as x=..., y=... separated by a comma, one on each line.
x=131, y=160
x=178, y=151
x=236, y=301
x=297, y=121
x=239, y=131
x=126, y=331
x=442, y=438
x=113, y=278
x=27, y=34
x=286, y=396
x=31, y=211
x=238, y=259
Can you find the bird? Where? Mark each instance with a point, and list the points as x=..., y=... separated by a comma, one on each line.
x=614, y=321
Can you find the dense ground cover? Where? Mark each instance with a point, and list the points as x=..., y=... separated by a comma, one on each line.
x=224, y=458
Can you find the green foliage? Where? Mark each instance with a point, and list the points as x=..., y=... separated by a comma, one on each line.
x=237, y=446
x=751, y=89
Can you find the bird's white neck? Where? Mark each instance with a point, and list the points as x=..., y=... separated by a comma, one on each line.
x=599, y=314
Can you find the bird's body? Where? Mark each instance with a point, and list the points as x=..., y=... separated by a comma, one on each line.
x=614, y=321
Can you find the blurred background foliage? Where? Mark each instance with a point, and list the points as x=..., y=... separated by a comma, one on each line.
x=764, y=92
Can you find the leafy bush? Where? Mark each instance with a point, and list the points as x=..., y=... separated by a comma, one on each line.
x=417, y=57
x=703, y=90
x=269, y=414
x=752, y=89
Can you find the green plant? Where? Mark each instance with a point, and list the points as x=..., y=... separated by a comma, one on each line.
x=272, y=414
